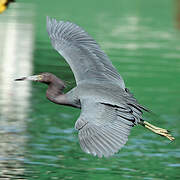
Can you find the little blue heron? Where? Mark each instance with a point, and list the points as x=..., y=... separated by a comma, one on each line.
x=108, y=109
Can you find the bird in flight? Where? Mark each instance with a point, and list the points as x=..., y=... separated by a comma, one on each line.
x=108, y=109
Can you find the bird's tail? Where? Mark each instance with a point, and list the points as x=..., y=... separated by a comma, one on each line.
x=157, y=130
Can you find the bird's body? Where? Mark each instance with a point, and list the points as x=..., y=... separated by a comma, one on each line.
x=108, y=109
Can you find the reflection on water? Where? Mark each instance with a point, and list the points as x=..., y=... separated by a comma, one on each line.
x=16, y=60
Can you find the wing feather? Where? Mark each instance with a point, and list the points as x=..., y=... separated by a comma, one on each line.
x=86, y=59
x=101, y=131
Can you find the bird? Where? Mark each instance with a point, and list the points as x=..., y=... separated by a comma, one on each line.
x=108, y=109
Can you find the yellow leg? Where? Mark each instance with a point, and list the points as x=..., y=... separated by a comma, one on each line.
x=157, y=130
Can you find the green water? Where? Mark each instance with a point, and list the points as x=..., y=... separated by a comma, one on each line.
x=37, y=138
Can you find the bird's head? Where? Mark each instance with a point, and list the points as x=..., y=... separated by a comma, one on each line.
x=46, y=78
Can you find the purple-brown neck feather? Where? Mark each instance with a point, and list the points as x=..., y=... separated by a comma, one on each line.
x=55, y=86
x=55, y=90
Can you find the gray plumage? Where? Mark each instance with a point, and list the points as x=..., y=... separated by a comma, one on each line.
x=87, y=61
x=108, y=109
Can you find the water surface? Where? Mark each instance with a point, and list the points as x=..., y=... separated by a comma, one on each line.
x=38, y=140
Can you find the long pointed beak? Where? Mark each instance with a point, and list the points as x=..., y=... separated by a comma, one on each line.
x=21, y=79
x=30, y=78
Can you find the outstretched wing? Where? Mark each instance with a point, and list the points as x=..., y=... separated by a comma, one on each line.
x=104, y=129
x=86, y=59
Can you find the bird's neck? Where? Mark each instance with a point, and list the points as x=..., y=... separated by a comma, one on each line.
x=55, y=94
x=54, y=90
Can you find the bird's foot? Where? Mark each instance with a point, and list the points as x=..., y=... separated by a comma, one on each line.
x=160, y=131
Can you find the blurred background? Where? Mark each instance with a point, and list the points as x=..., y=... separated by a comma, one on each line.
x=37, y=138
